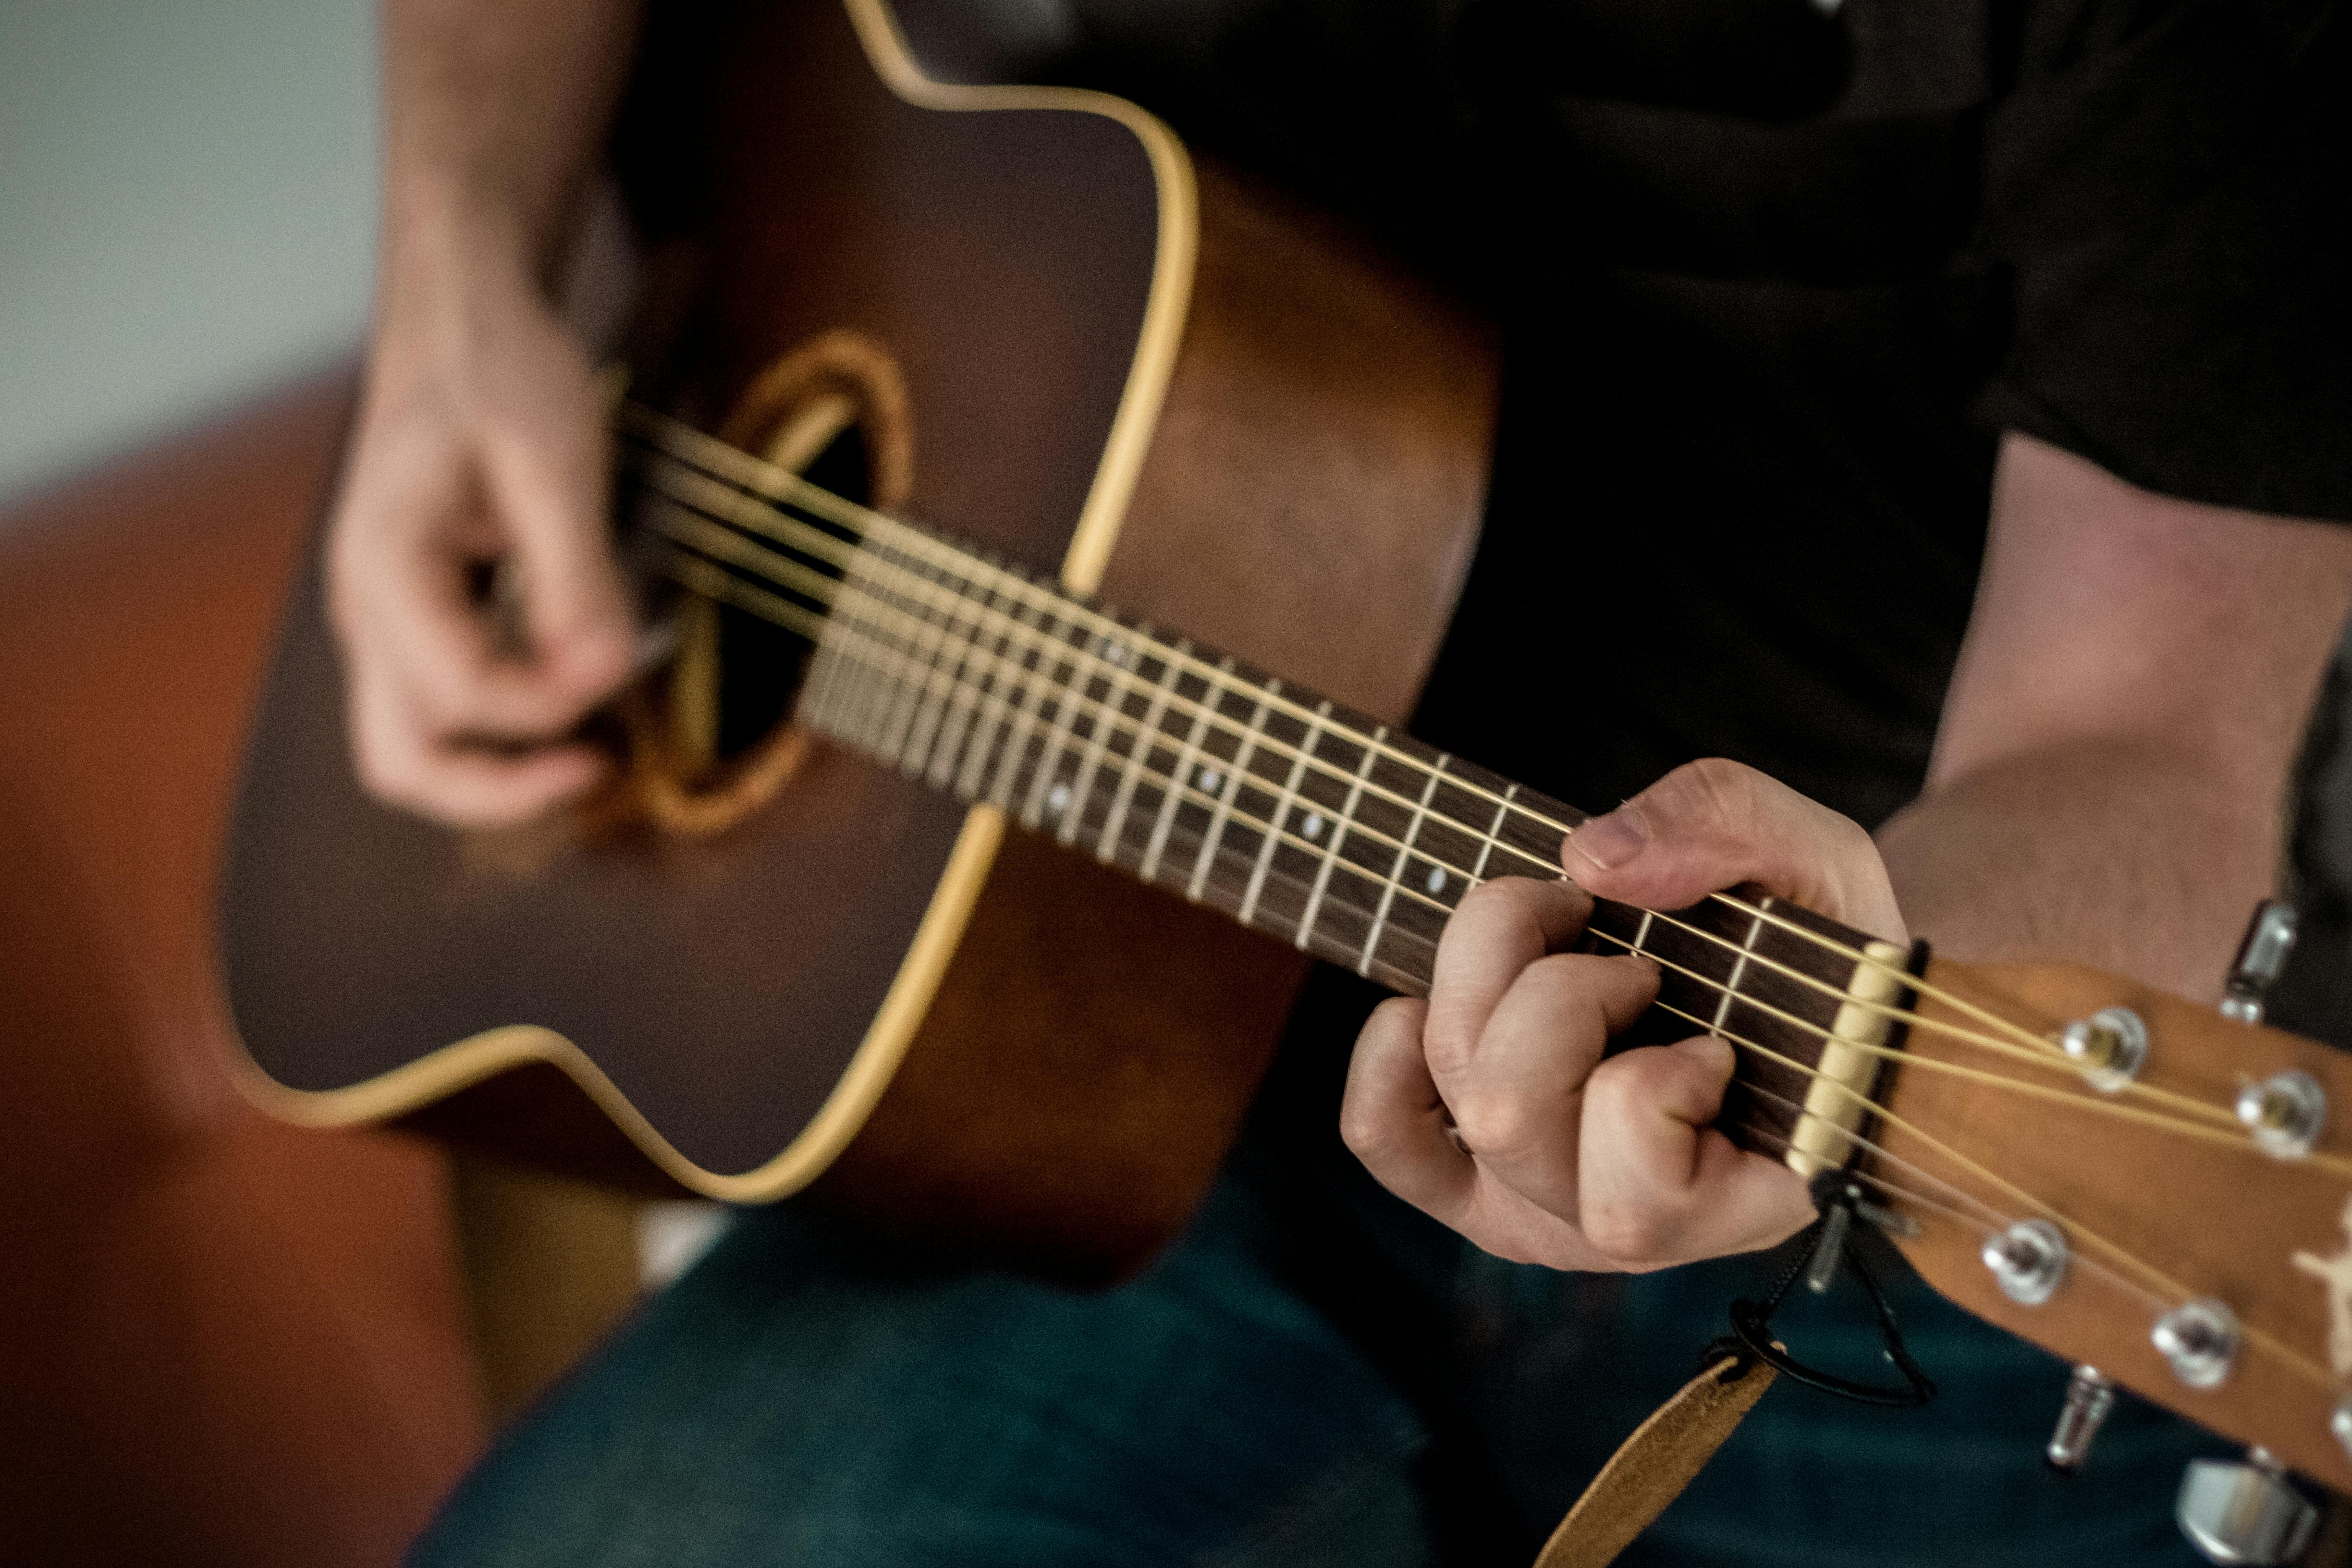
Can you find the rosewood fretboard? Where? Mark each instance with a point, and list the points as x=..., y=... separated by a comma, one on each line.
x=1188, y=768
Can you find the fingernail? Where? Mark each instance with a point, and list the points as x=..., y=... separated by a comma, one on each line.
x=1608, y=842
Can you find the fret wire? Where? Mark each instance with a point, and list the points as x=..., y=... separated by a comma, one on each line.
x=1238, y=770
x=846, y=653
x=765, y=481
x=1187, y=757
x=1057, y=740
x=961, y=732
x=990, y=722
x=1322, y=886
x=927, y=723
x=1329, y=852
x=1016, y=741
x=1758, y=913
x=1120, y=686
x=1738, y=967
x=1403, y=859
x=912, y=734
x=903, y=534
x=1478, y=872
x=858, y=716
x=884, y=712
x=1339, y=835
x=1010, y=673
x=943, y=733
x=1641, y=933
x=1371, y=785
x=1136, y=756
x=848, y=620
x=1284, y=804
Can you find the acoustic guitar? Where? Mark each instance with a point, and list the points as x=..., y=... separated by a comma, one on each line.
x=885, y=895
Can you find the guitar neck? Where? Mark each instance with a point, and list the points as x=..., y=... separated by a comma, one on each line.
x=1194, y=771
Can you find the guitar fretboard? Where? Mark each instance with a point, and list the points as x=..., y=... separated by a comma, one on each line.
x=1192, y=770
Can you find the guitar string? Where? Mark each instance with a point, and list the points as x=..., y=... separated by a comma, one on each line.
x=1958, y=1216
x=2166, y=1287
x=1036, y=639
x=742, y=551
x=1177, y=787
x=766, y=480
x=1812, y=981
x=2334, y=1164
x=867, y=525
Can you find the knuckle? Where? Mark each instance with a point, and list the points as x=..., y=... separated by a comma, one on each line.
x=1449, y=1039
x=1632, y=1235
x=1717, y=791
x=1364, y=1130
x=1502, y=1126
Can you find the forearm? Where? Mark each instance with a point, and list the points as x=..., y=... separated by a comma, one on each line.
x=494, y=117
x=2130, y=857
x=2112, y=768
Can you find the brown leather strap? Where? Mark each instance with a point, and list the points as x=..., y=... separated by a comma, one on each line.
x=1660, y=1460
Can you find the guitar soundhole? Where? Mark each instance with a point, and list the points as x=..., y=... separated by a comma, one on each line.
x=711, y=738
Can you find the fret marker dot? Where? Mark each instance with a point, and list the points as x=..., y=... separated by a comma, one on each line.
x=1313, y=826
x=1436, y=881
x=1057, y=799
x=1211, y=779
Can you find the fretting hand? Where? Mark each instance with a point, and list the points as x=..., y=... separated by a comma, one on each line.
x=1489, y=1106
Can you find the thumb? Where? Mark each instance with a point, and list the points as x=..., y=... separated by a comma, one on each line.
x=550, y=485
x=1715, y=823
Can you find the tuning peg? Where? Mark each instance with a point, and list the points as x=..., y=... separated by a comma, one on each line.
x=2262, y=959
x=2089, y=1397
x=2248, y=1513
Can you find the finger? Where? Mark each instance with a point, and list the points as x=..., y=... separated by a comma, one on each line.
x=1391, y=1118
x=1660, y=1184
x=547, y=476
x=1499, y=927
x=412, y=525
x=1715, y=823
x=1517, y=1101
x=463, y=788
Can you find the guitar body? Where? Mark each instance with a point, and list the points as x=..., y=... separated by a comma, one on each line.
x=1054, y=335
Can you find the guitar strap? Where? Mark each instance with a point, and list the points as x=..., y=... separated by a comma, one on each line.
x=1664, y=1454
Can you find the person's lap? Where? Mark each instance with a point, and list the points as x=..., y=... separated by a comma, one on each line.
x=802, y=1397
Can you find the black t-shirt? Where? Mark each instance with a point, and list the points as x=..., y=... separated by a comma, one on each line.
x=1773, y=279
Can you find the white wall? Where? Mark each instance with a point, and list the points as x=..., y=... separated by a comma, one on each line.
x=187, y=212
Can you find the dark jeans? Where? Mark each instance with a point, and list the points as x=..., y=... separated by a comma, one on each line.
x=1313, y=1374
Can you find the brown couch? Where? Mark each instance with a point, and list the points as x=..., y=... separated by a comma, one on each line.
x=221, y=1341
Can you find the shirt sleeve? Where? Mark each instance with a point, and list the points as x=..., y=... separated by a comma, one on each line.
x=2167, y=191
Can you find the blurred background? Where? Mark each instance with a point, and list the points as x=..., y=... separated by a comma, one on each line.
x=187, y=213
x=222, y=1340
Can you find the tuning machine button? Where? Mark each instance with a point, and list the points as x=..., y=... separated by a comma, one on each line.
x=2089, y=1397
x=2262, y=959
x=2247, y=1512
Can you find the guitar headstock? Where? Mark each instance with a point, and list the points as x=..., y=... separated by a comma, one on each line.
x=2161, y=1189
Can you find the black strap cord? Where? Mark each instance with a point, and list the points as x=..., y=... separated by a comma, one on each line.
x=1751, y=1340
